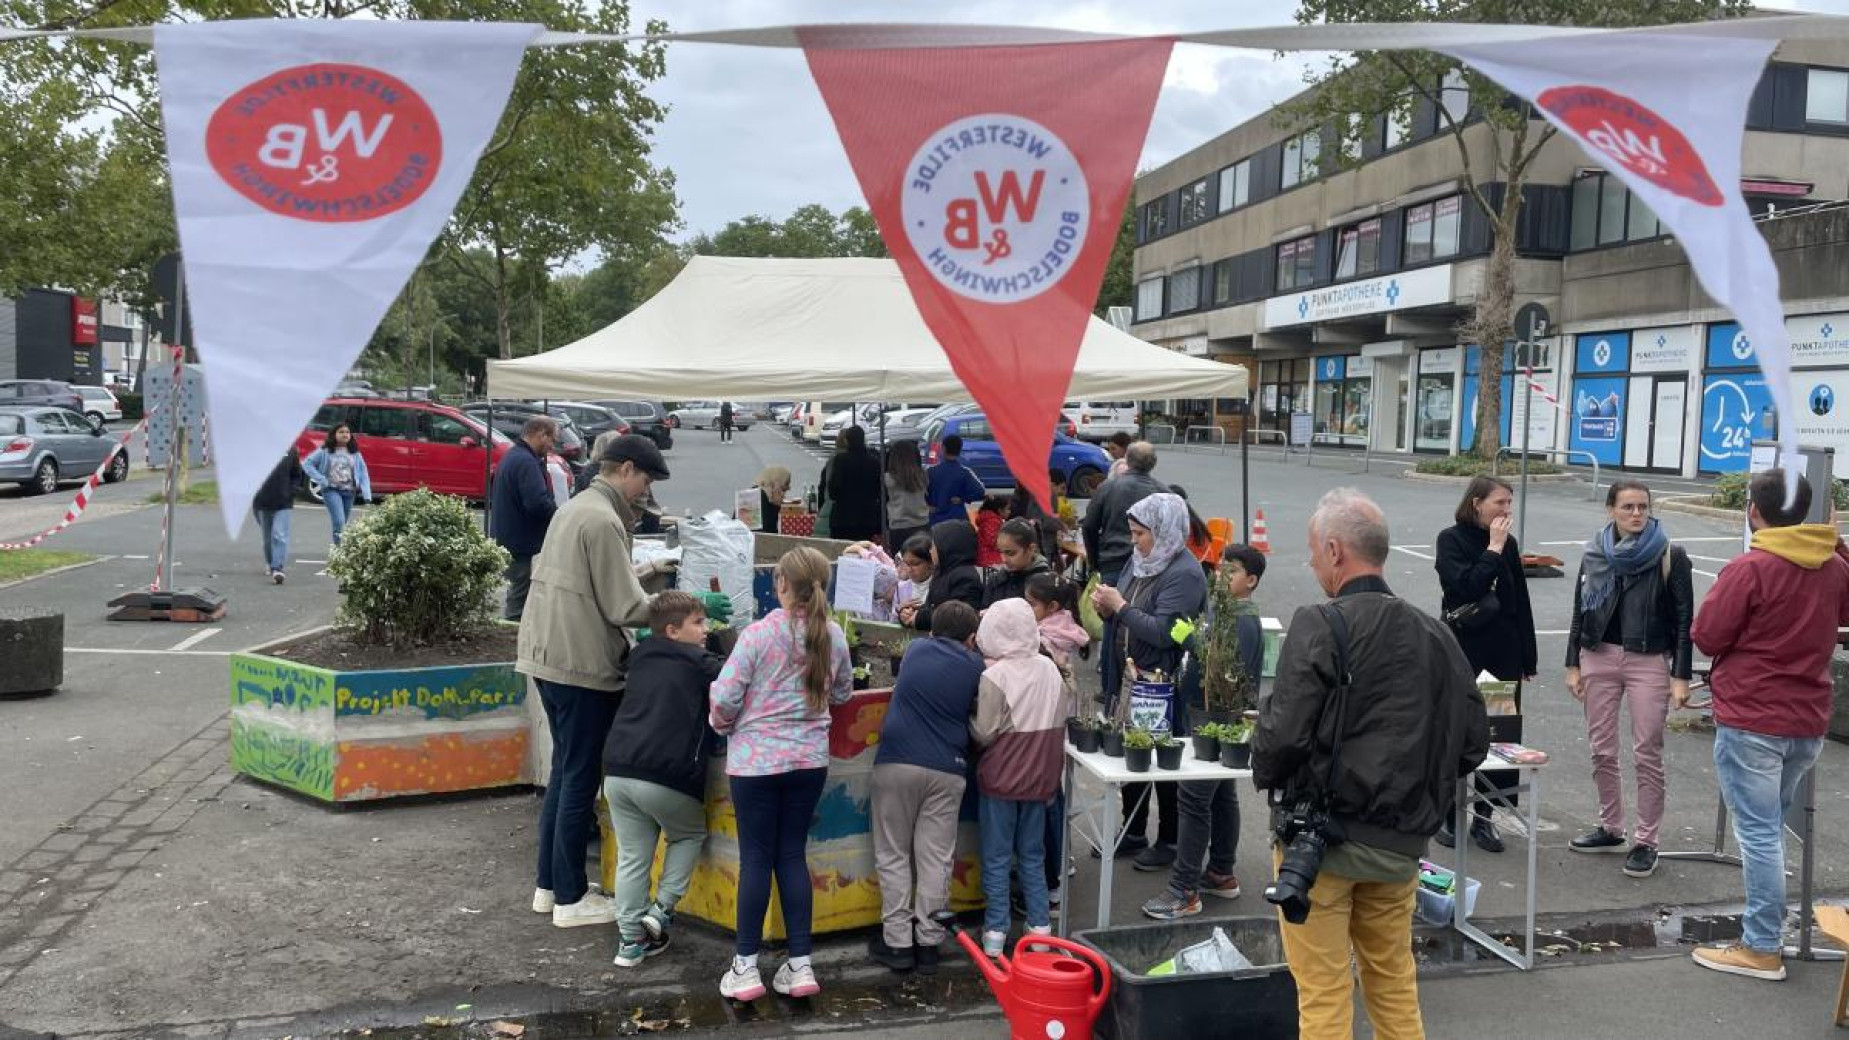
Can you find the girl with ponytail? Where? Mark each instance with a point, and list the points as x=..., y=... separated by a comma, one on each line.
x=771, y=701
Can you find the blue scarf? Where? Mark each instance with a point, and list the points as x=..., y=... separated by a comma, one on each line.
x=1609, y=560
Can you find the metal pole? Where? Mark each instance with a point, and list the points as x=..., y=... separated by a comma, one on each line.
x=173, y=417
x=1521, y=509
x=433, y=360
x=487, y=462
x=1245, y=475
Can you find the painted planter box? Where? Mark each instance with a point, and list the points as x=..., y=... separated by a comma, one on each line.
x=352, y=736
x=841, y=869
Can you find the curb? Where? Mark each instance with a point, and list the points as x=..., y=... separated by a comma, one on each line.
x=1444, y=478
x=1711, y=512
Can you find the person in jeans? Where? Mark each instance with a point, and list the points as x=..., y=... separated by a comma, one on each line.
x=1020, y=726
x=573, y=643
x=339, y=470
x=1629, y=644
x=274, y=505
x=1207, y=842
x=522, y=506
x=1413, y=722
x=771, y=701
x=1769, y=624
x=918, y=780
x=654, y=764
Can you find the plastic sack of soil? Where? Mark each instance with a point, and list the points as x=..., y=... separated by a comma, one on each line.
x=717, y=546
x=1212, y=954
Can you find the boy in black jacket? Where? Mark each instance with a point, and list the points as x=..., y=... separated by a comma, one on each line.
x=654, y=763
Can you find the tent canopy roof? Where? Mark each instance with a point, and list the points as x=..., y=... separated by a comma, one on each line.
x=838, y=329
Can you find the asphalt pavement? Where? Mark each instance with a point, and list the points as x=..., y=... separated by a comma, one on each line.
x=144, y=891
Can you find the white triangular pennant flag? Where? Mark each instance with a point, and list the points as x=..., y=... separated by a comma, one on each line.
x=1666, y=112
x=313, y=164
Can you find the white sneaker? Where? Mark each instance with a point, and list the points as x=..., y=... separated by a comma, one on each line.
x=745, y=985
x=993, y=943
x=543, y=901
x=1039, y=929
x=592, y=909
x=796, y=982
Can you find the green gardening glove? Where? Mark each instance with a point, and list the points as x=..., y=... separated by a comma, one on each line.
x=718, y=606
x=1181, y=631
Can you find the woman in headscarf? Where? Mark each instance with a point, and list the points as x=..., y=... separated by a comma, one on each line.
x=772, y=484
x=1629, y=644
x=1163, y=584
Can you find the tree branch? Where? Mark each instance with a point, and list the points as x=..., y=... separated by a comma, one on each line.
x=1456, y=129
x=1548, y=133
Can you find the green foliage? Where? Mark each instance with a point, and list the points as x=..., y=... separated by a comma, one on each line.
x=1167, y=740
x=1730, y=492
x=131, y=406
x=20, y=564
x=1236, y=732
x=1224, y=682
x=1470, y=465
x=204, y=493
x=1119, y=286
x=1138, y=740
x=417, y=569
x=811, y=231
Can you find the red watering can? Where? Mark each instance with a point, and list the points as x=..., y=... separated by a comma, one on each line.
x=1046, y=990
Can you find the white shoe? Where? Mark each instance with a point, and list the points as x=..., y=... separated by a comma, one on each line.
x=592, y=909
x=745, y=985
x=993, y=943
x=1039, y=929
x=796, y=982
x=543, y=901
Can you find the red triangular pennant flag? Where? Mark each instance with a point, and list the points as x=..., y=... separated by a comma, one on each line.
x=998, y=176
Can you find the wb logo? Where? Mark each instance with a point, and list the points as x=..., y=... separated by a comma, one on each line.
x=964, y=218
x=1645, y=155
x=286, y=144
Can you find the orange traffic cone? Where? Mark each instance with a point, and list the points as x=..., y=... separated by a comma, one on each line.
x=1260, y=540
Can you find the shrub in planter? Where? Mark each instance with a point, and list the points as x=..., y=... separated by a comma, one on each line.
x=1139, y=747
x=1236, y=745
x=1168, y=752
x=1111, y=741
x=1083, y=733
x=1207, y=742
x=417, y=569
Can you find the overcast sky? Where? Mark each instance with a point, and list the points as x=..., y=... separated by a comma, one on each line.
x=747, y=132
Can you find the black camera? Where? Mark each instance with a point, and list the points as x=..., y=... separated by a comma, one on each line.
x=1306, y=834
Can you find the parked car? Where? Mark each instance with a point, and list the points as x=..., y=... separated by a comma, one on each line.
x=410, y=444
x=704, y=415
x=42, y=447
x=510, y=419
x=46, y=393
x=591, y=420
x=1084, y=465
x=647, y=418
x=867, y=416
x=99, y=405
x=1102, y=420
x=799, y=418
x=903, y=422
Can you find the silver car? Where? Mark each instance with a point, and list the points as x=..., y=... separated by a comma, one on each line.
x=43, y=447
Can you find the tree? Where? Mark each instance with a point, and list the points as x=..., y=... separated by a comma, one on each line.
x=811, y=231
x=1351, y=91
x=1119, y=286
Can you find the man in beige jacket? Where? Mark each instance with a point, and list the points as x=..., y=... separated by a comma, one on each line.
x=572, y=642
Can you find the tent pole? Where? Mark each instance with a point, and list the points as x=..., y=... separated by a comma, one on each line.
x=885, y=524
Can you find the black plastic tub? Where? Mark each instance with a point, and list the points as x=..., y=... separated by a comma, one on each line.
x=1259, y=1003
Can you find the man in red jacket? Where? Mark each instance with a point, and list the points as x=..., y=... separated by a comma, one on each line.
x=1769, y=624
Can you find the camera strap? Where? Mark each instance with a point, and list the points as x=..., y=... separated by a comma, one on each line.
x=1344, y=678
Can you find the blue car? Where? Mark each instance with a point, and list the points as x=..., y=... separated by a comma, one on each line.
x=1084, y=465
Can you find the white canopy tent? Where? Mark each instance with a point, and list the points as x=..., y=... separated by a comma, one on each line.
x=839, y=330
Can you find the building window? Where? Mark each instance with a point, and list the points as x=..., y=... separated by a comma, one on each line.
x=1222, y=283
x=1296, y=263
x=1149, y=298
x=1354, y=130
x=1302, y=155
x=1433, y=230
x=1194, y=203
x=1155, y=219
x=1235, y=185
x=1454, y=98
x=1826, y=96
x=1184, y=290
x=1606, y=213
x=1398, y=121
x=1358, y=252
x=1585, y=213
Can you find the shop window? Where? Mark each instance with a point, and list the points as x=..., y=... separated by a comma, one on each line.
x=1236, y=185
x=1283, y=389
x=1433, y=230
x=1184, y=290
x=1296, y=263
x=1149, y=298
x=1826, y=96
x=1194, y=203
x=1302, y=156
x=1358, y=252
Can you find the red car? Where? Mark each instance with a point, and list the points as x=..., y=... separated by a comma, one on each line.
x=409, y=444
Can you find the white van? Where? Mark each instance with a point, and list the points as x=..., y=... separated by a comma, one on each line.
x=1100, y=420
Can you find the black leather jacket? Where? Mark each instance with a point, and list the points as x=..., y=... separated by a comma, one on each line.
x=1653, y=614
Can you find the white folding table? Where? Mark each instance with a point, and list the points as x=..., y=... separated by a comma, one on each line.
x=1099, y=819
x=1527, y=784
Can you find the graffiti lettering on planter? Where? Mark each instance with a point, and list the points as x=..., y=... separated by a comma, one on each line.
x=281, y=758
x=271, y=683
x=433, y=702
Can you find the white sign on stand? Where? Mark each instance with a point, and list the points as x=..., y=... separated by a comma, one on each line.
x=1300, y=428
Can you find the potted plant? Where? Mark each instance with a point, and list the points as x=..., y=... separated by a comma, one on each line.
x=1168, y=752
x=1207, y=742
x=1111, y=741
x=1083, y=733
x=1236, y=744
x=413, y=691
x=1225, y=688
x=1138, y=747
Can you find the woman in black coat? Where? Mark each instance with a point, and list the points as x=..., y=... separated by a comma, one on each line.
x=854, y=491
x=953, y=575
x=1480, y=569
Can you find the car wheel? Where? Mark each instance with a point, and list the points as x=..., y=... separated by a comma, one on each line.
x=118, y=468
x=1085, y=481
x=45, y=478
x=96, y=418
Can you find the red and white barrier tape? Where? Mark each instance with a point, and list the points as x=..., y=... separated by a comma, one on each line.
x=1535, y=385
x=82, y=501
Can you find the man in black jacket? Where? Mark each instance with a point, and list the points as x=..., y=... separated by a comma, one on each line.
x=523, y=506
x=1412, y=723
x=274, y=504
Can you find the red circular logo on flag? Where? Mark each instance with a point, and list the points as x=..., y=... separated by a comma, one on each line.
x=1634, y=137
x=328, y=143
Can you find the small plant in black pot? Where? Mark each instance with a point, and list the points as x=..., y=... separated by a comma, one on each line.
x=1236, y=745
x=1139, y=747
x=1168, y=752
x=1207, y=741
x=1111, y=741
x=1083, y=733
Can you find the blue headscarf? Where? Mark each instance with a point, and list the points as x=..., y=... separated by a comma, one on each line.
x=1610, y=560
